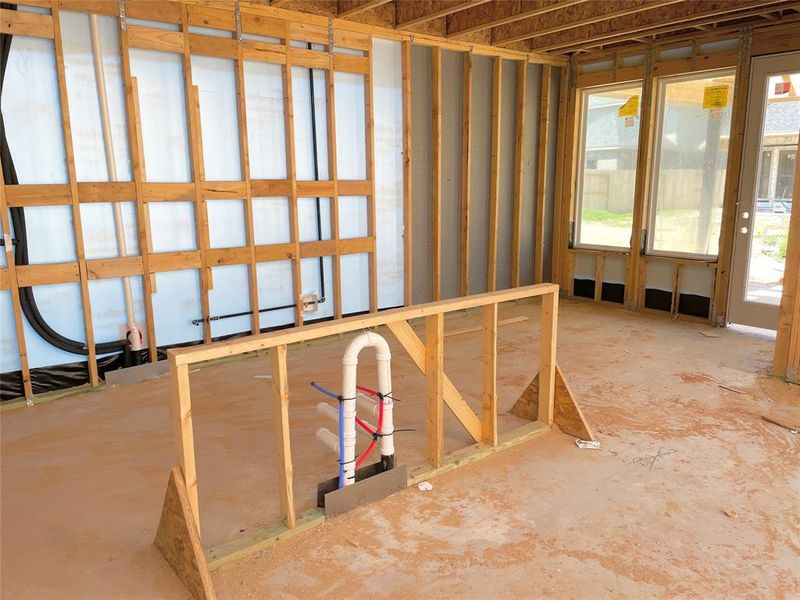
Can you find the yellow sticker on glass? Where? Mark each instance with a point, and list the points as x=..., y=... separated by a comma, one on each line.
x=630, y=108
x=715, y=96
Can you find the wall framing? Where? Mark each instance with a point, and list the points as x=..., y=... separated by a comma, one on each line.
x=241, y=17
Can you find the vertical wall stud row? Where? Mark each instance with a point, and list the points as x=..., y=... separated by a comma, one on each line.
x=14, y=288
x=244, y=153
x=405, y=57
x=372, y=208
x=519, y=162
x=436, y=173
x=494, y=194
x=280, y=392
x=288, y=122
x=76, y=209
x=138, y=172
x=642, y=183
x=489, y=394
x=541, y=175
x=198, y=174
x=434, y=386
x=466, y=165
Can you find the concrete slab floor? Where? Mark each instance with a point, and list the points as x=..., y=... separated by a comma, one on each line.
x=691, y=495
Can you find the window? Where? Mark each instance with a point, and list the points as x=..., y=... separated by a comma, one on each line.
x=607, y=177
x=691, y=154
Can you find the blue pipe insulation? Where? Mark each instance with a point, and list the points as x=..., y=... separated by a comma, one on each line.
x=336, y=397
x=319, y=388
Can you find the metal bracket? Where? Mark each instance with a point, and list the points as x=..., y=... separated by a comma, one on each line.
x=330, y=35
x=123, y=18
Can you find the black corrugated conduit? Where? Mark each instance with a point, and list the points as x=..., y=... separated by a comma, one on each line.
x=26, y=295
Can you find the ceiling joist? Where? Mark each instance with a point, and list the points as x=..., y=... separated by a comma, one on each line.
x=573, y=17
x=556, y=26
x=349, y=8
x=501, y=12
x=603, y=36
x=411, y=14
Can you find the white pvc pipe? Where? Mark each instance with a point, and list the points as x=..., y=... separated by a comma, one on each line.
x=328, y=411
x=330, y=439
x=368, y=404
x=368, y=339
x=134, y=333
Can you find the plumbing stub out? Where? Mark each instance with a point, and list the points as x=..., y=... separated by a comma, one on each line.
x=377, y=424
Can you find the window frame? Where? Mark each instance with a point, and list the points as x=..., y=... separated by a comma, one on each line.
x=659, y=87
x=580, y=157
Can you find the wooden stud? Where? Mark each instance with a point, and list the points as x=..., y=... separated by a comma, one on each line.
x=547, y=357
x=434, y=382
x=454, y=400
x=570, y=161
x=560, y=198
x=641, y=192
x=372, y=200
x=786, y=361
x=330, y=107
x=14, y=288
x=489, y=355
x=436, y=174
x=184, y=433
x=719, y=308
x=288, y=121
x=244, y=156
x=541, y=174
x=466, y=166
x=519, y=163
x=599, y=270
x=494, y=192
x=676, y=288
x=94, y=378
x=198, y=174
x=280, y=392
x=405, y=57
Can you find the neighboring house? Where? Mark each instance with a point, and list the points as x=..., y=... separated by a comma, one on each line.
x=778, y=156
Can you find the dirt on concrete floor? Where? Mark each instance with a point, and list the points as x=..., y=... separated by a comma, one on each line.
x=691, y=495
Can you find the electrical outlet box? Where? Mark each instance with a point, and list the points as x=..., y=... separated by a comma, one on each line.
x=310, y=303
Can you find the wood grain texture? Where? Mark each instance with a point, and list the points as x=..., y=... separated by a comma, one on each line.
x=178, y=540
x=494, y=185
x=434, y=388
x=280, y=393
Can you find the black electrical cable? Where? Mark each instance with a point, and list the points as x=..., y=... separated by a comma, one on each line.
x=316, y=174
x=26, y=295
